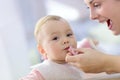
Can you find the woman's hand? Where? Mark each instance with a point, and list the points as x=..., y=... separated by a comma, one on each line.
x=89, y=60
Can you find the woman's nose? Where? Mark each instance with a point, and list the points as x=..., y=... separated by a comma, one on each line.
x=93, y=15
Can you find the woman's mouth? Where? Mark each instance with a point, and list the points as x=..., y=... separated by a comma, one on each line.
x=109, y=23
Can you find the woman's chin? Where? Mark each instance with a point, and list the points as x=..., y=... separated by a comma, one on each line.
x=116, y=33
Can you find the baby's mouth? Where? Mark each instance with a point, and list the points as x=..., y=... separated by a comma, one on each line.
x=67, y=48
x=109, y=23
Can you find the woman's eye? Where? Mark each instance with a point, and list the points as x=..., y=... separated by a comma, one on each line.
x=70, y=34
x=55, y=38
x=96, y=5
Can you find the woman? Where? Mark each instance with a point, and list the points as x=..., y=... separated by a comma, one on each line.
x=91, y=60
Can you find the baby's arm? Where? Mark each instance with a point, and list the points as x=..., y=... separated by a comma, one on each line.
x=34, y=75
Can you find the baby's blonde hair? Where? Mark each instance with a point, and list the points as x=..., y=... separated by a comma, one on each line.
x=43, y=21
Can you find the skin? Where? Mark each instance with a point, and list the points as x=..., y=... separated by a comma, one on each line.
x=55, y=37
x=102, y=10
x=93, y=61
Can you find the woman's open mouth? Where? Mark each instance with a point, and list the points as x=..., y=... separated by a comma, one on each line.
x=109, y=23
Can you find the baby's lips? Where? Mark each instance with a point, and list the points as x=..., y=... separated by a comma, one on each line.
x=67, y=48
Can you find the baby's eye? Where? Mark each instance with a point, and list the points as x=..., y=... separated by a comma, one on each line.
x=70, y=34
x=55, y=38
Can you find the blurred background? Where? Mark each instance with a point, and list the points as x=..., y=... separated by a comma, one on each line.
x=18, y=49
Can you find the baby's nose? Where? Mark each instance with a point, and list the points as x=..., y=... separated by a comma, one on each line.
x=65, y=42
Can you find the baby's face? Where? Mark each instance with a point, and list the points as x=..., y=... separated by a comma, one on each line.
x=57, y=37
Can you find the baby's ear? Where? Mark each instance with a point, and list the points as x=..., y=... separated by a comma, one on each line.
x=40, y=49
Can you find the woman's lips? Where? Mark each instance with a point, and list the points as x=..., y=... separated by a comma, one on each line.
x=109, y=23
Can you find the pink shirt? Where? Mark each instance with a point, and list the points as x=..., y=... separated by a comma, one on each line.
x=34, y=75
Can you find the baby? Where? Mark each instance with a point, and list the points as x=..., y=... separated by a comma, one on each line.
x=54, y=37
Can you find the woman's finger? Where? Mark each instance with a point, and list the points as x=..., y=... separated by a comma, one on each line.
x=71, y=58
x=80, y=50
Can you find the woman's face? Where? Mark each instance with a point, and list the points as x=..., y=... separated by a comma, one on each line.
x=106, y=11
